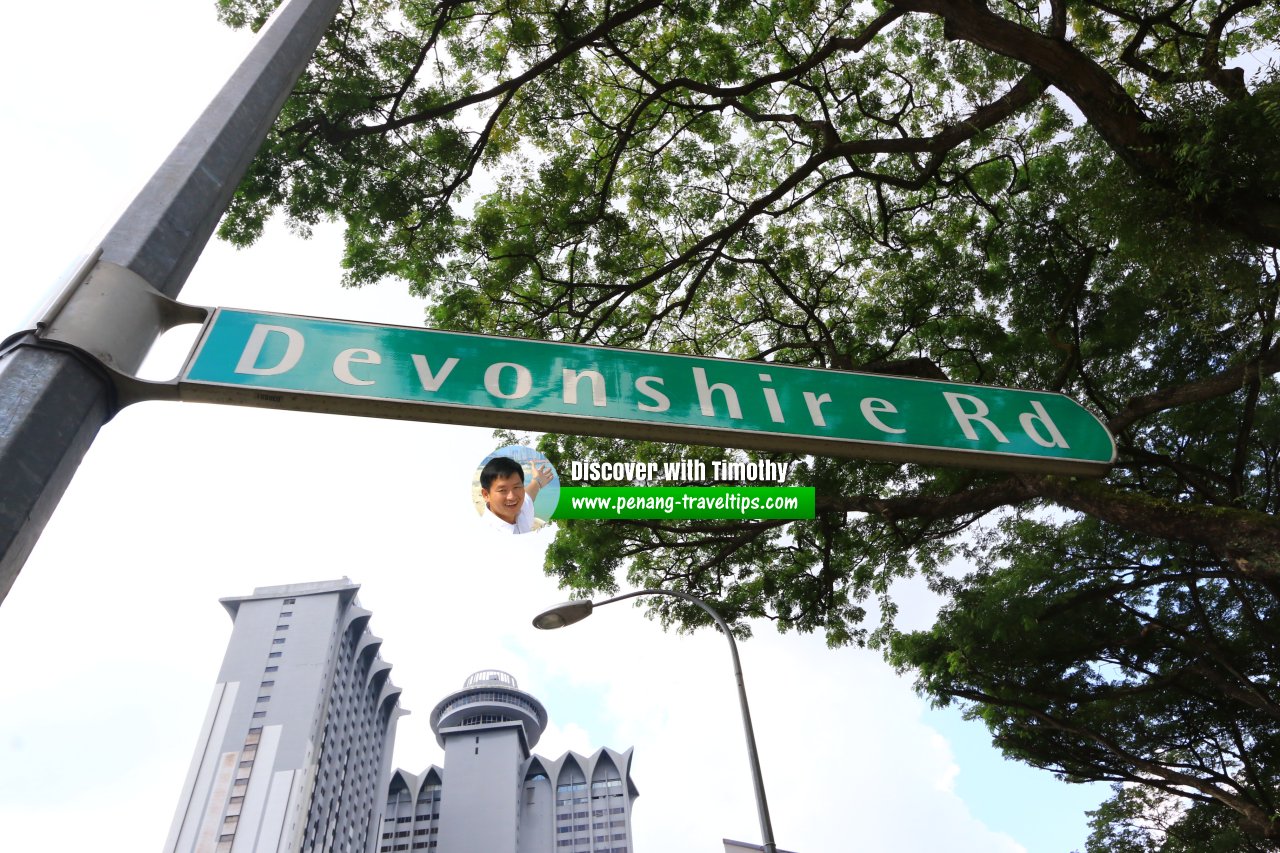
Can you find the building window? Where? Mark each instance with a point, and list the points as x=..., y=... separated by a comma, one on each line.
x=290, y=600
x=278, y=641
x=262, y=699
x=268, y=684
x=276, y=655
x=257, y=715
x=273, y=669
x=284, y=613
x=282, y=627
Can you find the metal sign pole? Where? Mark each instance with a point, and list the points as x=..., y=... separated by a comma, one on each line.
x=53, y=397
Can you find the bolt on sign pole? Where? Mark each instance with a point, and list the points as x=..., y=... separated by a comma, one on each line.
x=54, y=391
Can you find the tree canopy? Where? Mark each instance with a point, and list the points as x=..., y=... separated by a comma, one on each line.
x=1078, y=195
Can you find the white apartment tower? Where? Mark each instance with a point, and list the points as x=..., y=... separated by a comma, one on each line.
x=295, y=749
x=497, y=796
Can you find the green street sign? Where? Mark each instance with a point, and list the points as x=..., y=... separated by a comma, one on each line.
x=340, y=367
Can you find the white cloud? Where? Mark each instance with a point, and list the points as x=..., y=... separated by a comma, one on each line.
x=843, y=752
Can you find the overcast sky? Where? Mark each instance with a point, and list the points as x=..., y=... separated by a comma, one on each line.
x=113, y=634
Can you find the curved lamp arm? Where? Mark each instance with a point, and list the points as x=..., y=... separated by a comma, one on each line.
x=575, y=611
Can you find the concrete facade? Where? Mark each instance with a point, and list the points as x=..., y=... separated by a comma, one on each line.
x=296, y=744
x=499, y=797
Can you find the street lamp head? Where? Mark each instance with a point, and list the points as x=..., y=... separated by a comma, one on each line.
x=563, y=614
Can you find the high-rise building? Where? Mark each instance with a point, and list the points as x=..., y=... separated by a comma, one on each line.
x=295, y=749
x=295, y=752
x=499, y=797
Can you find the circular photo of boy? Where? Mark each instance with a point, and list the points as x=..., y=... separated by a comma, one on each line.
x=515, y=490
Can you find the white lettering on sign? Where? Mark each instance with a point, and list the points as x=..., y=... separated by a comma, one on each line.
x=660, y=401
x=966, y=419
x=814, y=402
x=1031, y=423
x=493, y=380
x=272, y=350
x=572, y=378
x=771, y=400
x=432, y=381
x=253, y=349
x=342, y=365
x=873, y=408
x=705, y=402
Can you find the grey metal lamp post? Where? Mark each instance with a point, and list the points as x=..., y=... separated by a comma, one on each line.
x=58, y=380
x=575, y=611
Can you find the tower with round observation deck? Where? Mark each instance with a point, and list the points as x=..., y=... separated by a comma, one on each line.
x=494, y=795
x=487, y=729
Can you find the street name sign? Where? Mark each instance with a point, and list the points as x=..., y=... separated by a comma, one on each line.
x=340, y=367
